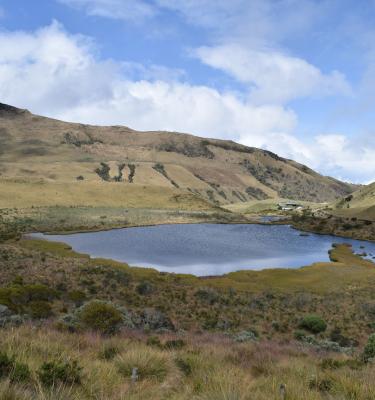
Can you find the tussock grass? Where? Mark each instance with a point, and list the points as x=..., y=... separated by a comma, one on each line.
x=227, y=372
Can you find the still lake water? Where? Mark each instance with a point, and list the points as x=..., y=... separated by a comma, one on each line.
x=208, y=249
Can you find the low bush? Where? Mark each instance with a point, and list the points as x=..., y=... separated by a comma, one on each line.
x=154, y=341
x=39, y=309
x=207, y=295
x=52, y=373
x=145, y=288
x=18, y=296
x=313, y=324
x=101, y=317
x=20, y=373
x=77, y=297
x=15, y=371
x=369, y=350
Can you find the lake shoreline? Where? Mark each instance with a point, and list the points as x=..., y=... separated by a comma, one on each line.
x=204, y=249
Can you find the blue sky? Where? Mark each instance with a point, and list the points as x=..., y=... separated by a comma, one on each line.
x=293, y=76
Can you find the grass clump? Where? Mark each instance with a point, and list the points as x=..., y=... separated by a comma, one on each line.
x=109, y=352
x=151, y=364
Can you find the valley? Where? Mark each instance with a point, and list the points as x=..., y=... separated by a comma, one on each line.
x=231, y=333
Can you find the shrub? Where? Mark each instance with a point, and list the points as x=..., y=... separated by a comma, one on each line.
x=145, y=288
x=369, y=350
x=40, y=292
x=6, y=365
x=18, y=296
x=101, y=317
x=207, y=295
x=77, y=297
x=51, y=373
x=20, y=373
x=40, y=309
x=299, y=335
x=154, y=341
x=313, y=324
x=9, y=367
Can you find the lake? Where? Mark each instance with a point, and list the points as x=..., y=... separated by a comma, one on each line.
x=208, y=249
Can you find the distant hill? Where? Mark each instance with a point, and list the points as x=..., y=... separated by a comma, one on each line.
x=44, y=150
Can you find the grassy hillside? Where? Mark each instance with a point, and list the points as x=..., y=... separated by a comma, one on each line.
x=361, y=204
x=34, y=149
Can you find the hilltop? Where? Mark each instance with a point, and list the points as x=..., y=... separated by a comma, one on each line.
x=89, y=162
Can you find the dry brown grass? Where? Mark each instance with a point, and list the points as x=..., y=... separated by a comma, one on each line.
x=222, y=370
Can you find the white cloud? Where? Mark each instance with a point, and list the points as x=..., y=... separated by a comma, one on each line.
x=271, y=75
x=57, y=74
x=345, y=158
x=128, y=10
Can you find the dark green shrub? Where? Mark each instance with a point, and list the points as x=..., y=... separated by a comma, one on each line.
x=145, y=288
x=154, y=341
x=20, y=373
x=9, y=367
x=77, y=297
x=52, y=373
x=18, y=296
x=40, y=309
x=369, y=350
x=40, y=292
x=207, y=295
x=6, y=365
x=313, y=324
x=299, y=335
x=101, y=317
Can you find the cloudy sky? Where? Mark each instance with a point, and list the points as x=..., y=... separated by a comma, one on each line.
x=293, y=76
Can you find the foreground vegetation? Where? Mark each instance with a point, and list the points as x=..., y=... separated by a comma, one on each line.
x=75, y=328
x=57, y=365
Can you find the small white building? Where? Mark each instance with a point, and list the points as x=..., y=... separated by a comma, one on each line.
x=290, y=206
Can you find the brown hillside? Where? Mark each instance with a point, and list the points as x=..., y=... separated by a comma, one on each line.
x=360, y=204
x=34, y=148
